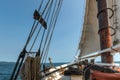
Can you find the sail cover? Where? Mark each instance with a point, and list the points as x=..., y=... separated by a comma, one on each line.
x=90, y=38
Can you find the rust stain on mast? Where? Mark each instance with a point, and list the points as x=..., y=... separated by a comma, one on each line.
x=105, y=36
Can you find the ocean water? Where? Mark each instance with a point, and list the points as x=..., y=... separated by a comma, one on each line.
x=6, y=69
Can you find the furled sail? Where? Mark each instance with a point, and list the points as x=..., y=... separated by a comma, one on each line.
x=90, y=39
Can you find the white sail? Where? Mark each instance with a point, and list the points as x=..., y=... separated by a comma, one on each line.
x=115, y=21
x=90, y=38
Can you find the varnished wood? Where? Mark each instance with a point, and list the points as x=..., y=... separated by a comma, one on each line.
x=105, y=36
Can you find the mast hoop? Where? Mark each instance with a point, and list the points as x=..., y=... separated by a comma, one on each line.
x=107, y=28
x=105, y=10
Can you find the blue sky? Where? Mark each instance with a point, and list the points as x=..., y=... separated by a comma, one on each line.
x=16, y=18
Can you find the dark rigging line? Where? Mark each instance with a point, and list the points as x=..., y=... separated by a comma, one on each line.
x=47, y=49
x=50, y=27
x=38, y=33
x=38, y=20
x=52, y=33
x=21, y=59
x=51, y=24
x=46, y=7
x=40, y=5
x=32, y=29
x=35, y=26
x=22, y=54
x=35, y=39
x=39, y=49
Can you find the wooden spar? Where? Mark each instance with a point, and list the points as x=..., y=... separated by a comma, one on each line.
x=94, y=54
x=104, y=31
x=98, y=53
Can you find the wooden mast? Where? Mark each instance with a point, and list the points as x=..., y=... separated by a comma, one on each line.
x=104, y=31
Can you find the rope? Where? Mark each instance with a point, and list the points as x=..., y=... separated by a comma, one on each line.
x=50, y=27
x=46, y=16
x=34, y=27
x=57, y=13
x=38, y=23
x=38, y=33
x=21, y=58
x=35, y=39
x=46, y=7
x=40, y=5
x=53, y=18
x=41, y=43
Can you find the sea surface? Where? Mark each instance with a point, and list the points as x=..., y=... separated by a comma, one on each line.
x=6, y=69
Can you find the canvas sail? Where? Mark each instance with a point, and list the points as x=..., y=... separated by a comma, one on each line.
x=90, y=39
x=115, y=21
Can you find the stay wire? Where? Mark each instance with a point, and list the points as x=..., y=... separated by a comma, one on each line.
x=47, y=49
x=20, y=59
x=38, y=33
x=39, y=49
x=51, y=35
x=40, y=5
x=51, y=24
x=14, y=73
x=50, y=27
x=35, y=26
x=42, y=14
x=52, y=21
x=35, y=39
x=29, y=37
x=46, y=7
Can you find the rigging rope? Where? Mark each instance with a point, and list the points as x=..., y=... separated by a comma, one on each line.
x=57, y=13
x=52, y=18
x=34, y=27
x=21, y=58
x=40, y=5
x=39, y=31
x=46, y=16
x=50, y=12
x=35, y=39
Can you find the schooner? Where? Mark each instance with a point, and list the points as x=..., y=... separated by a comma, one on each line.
x=100, y=37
